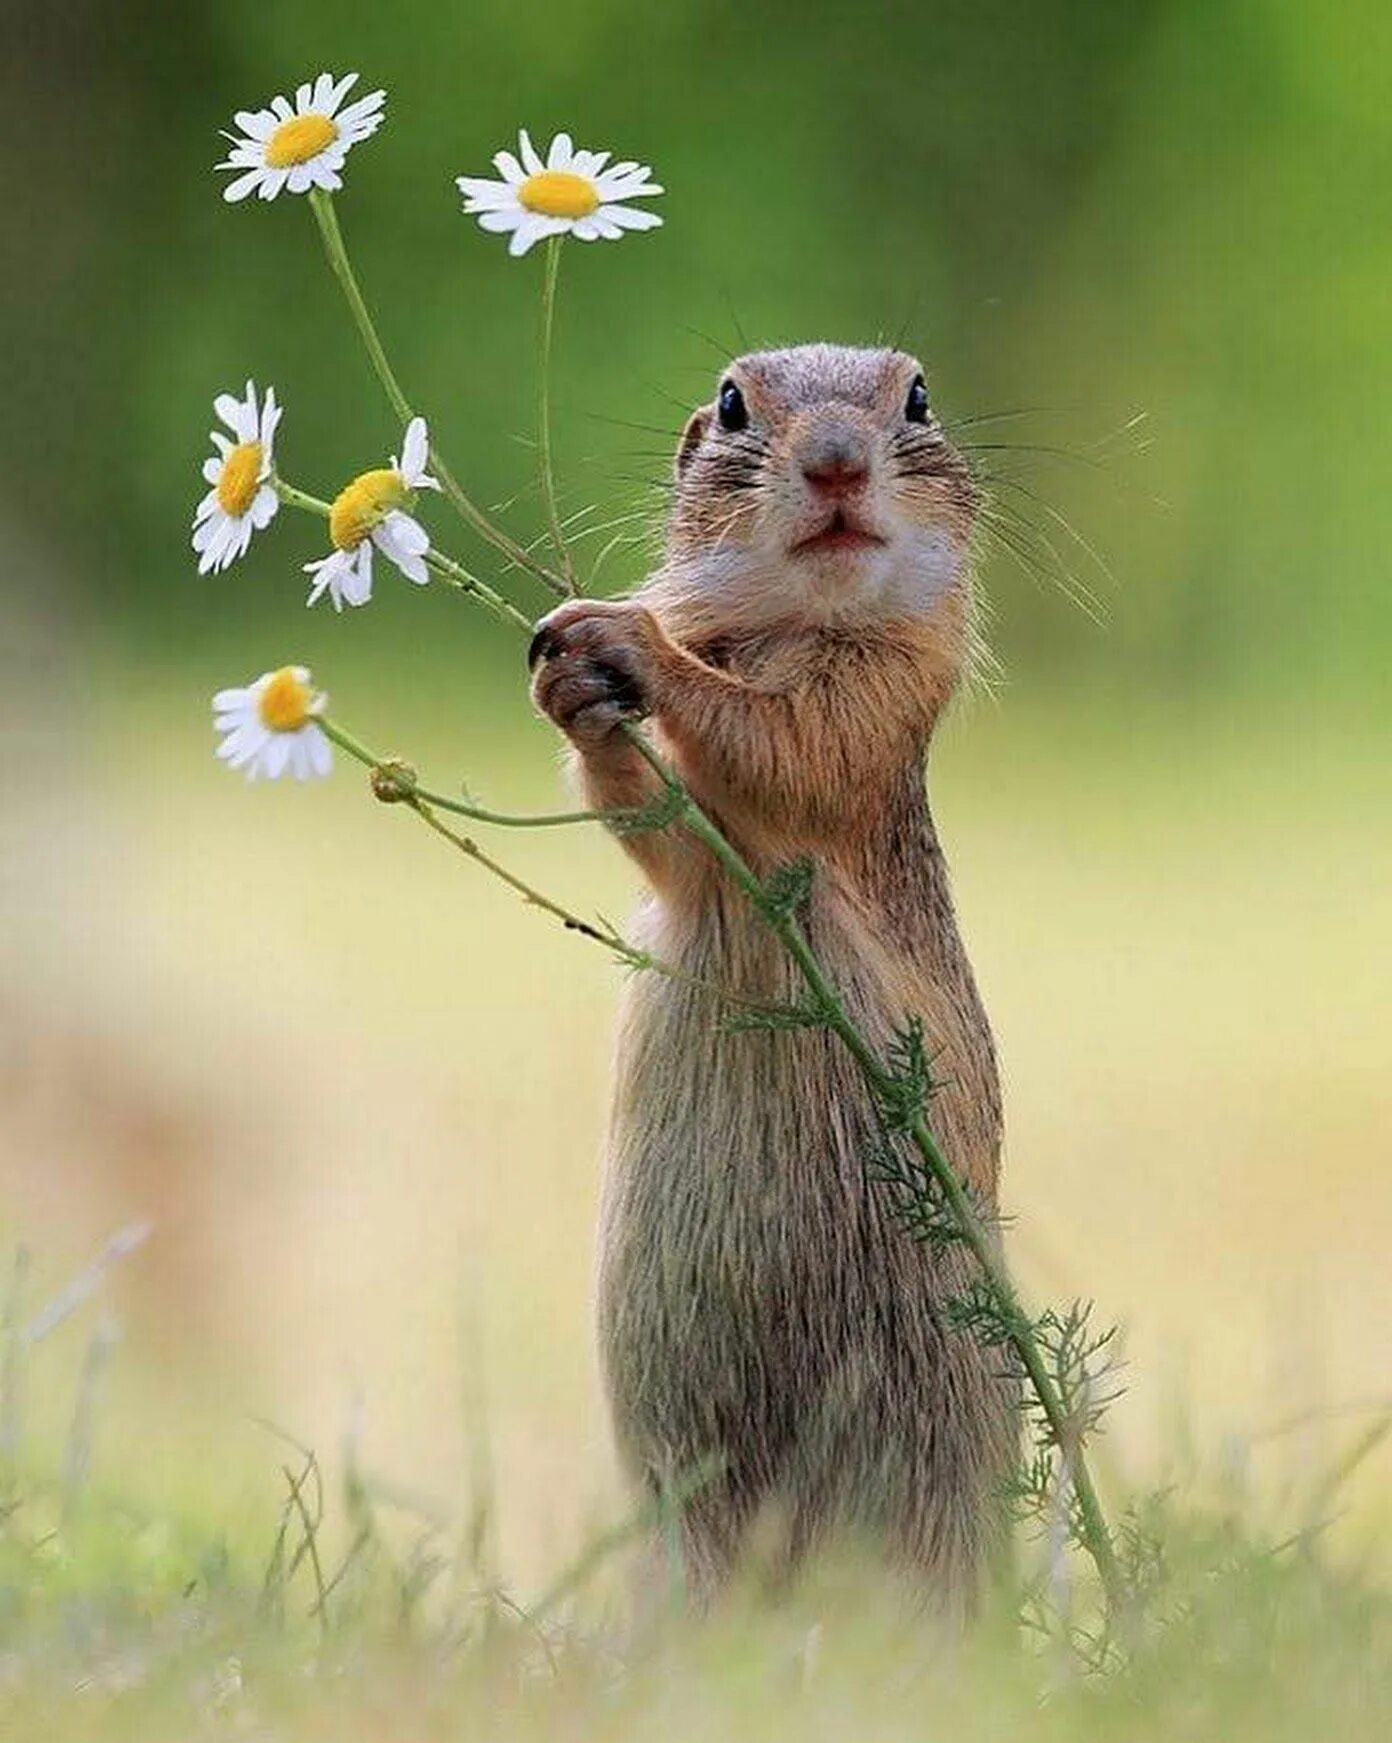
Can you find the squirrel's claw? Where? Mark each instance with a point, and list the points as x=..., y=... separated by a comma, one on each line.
x=590, y=668
x=542, y=645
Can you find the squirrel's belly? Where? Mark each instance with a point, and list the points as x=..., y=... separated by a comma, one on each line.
x=748, y=1258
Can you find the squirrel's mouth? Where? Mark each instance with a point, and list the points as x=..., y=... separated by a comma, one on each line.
x=841, y=533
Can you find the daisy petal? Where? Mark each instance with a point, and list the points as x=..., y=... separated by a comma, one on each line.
x=414, y=450
x=255, y=123
x=630, y=217
x=531, y=230
x=485, y=195
x=339, y=91
x=277, y=754
x=359, y=587
x=530, y=159
x=365, y=113
x=407, y=534
x=630, y=187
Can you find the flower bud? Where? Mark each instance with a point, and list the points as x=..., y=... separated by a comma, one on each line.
x=393, y=781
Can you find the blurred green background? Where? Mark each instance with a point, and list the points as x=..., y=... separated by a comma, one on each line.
x=359, y=1091
x=1175, y=208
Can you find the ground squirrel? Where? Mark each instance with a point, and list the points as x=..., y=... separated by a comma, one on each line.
x=758, y=1304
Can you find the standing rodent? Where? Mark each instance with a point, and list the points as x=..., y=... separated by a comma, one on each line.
x=759, y=1306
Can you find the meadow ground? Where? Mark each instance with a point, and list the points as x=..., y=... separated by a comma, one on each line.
x=359, y=1092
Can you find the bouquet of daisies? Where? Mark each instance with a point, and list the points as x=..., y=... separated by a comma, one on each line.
x=277, y=724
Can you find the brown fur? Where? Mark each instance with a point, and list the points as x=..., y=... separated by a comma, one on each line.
x=757, y=1301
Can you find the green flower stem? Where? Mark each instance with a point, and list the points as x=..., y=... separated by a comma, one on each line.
x=548, y=476
x=445, y=567
x=424, y=805
x=458, y=576
x=398, y=785
x=300, y=498
x=321, y=204
x=826, y=1000
x=631, y=817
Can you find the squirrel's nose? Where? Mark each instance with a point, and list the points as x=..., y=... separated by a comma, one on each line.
x=836, y=477
x=837, y=465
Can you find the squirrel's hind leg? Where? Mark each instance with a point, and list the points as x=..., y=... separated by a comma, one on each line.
x=689, y=1560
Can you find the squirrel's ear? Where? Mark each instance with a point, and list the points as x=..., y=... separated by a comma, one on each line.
x=691, y=439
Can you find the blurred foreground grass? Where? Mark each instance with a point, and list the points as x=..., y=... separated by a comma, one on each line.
x=119, y=1628
x=360, y=1091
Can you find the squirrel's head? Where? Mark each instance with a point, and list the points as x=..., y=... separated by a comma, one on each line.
x=818, y=484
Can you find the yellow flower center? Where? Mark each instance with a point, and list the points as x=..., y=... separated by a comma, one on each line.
x=284, y=705
x=556, y=193
x=364, y=504
x=299, y=139
x=240, y=478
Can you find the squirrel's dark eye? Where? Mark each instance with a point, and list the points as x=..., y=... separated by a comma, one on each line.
x=734, y=413
x=916, y=406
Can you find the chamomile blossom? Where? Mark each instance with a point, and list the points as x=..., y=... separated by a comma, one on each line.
x=303, y=146
x=269, y=727
x=242, y=499
x=579, y=193
x=368, y=513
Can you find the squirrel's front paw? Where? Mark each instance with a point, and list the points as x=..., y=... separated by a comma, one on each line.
x=593, y=665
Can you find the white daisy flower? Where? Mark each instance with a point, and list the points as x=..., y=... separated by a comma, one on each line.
x=242, y=500
x=368, y=512
x=302, y=147
x=269, y=728
x=571, y=192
